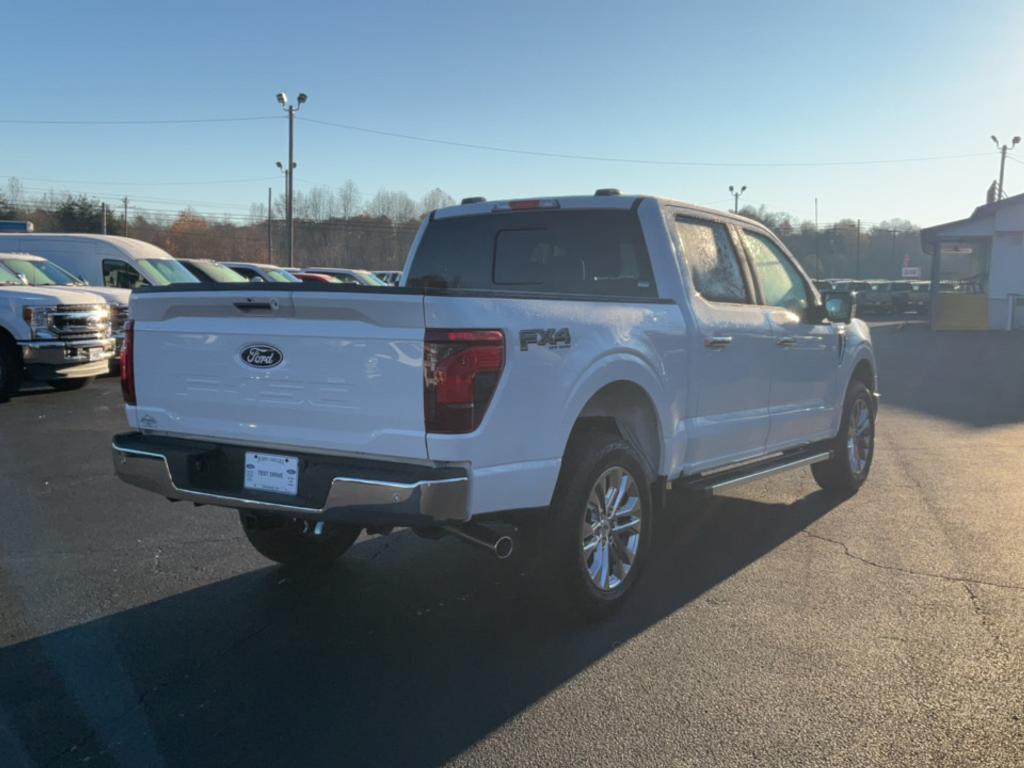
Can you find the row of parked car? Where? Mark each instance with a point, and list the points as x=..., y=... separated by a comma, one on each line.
x=210, y=271
x=64, y=299
x=883, y=297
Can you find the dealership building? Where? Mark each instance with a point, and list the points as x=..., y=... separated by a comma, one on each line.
x=978, y=268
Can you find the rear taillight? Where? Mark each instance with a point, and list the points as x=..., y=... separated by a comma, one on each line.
x=461, y=370
x=128, y=364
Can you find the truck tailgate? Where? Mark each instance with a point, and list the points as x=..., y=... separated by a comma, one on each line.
x=331, y=371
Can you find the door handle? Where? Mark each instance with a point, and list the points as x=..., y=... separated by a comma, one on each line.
x=717, y=342
x=785, y=342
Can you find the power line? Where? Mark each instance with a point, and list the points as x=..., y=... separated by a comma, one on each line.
x=140, y=183
x=142, y=122
x=637, y=161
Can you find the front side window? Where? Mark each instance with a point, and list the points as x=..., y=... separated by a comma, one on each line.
x=120, y=274
x=781, y=283
x=712, y=262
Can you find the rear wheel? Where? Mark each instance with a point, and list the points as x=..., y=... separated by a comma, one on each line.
x=297, y=542
x=853, y=448
x=599, y=532
x=10, y=369
x=69, y=385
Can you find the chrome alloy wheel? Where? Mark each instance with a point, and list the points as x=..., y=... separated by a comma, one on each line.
x=860, y=437
x=611, y=528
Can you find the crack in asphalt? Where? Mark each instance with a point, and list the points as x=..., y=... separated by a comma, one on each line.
x=911, y=571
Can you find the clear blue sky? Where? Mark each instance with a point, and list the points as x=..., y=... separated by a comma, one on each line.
x=740, y=82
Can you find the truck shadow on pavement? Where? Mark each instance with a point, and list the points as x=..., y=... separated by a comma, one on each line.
x=407, y=652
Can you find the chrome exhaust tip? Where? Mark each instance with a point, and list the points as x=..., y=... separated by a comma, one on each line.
x=500, y=545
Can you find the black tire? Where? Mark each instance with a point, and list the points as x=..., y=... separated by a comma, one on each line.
x=70, y=385
x=590, y=457
x=289, y=542
x=10, y=370
x=845, y=473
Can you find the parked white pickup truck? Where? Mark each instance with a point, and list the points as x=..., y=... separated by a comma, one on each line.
x=568, y=358
x=51, y=334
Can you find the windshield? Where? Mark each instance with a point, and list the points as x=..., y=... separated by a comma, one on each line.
x=368, y=278
x=41, y=272
x=219, y=273
x=7, y=277
x=280, y=275
x=165, y=271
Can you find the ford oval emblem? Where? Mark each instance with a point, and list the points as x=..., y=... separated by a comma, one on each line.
x=262, y=356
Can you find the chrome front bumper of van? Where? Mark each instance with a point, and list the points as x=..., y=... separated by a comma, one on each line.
x=354, y=493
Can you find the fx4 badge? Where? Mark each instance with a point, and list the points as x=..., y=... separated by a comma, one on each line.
x=556, y=338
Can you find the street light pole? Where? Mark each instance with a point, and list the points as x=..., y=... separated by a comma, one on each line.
x=270, y=230
x=282, y=99
x=1002, y=162
x=736, y=197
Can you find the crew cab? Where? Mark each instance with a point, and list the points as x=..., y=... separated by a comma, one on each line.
x=555, y=365
x=51, y=334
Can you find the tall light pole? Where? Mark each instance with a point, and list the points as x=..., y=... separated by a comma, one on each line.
x=1002, y=162
x=736, y=197
x=288, y=203
x=282, y=99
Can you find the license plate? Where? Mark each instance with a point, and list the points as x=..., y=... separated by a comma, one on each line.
x=271, y=472
x=95, y=353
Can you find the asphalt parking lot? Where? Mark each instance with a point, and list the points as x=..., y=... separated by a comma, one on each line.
x=777, y=627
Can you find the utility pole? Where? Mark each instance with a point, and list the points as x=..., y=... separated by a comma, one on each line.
x=1002, y=163
x=270, y=232
x=103, y=214
x=817, y=240
x=858, y=249
x=736, y=197
x=126, y=215
x=282, y=99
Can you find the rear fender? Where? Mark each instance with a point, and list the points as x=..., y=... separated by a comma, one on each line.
x=621, y=368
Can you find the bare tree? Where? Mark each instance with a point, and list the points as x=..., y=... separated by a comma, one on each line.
x=319, y=204
x=15, y=193
x=379, y=205
x=257, y=212
x=348, y=199
x=434, y=199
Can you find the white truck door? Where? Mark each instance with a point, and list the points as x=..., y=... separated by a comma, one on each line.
x=805, y=354
x=732, y=355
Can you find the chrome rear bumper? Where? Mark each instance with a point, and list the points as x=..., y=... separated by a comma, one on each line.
x=359, y=499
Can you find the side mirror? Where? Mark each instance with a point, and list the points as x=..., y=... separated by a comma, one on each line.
x=839, y=306
x=257, y=279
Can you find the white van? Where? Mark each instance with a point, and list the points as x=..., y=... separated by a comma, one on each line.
x=116, y=262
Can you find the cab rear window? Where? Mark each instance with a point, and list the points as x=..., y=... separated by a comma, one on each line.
x=592, y=253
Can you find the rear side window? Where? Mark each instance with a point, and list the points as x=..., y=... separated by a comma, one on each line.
x=594, y=253
x=712, y=261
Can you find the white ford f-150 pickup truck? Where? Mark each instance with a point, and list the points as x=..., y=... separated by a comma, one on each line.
x=555, y=364
x=51, y=334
